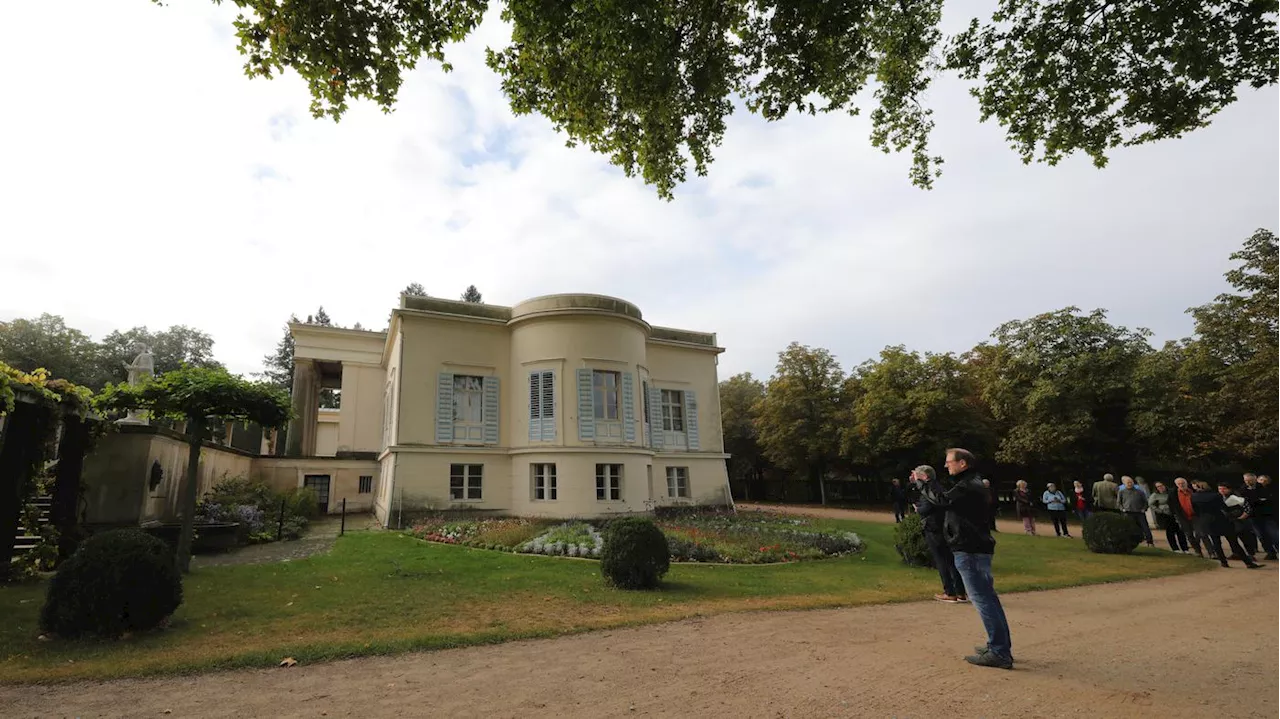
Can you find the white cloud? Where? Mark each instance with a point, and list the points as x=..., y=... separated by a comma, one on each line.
x=147, y=181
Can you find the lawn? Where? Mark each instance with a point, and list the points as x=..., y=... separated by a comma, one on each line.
x=384, y=592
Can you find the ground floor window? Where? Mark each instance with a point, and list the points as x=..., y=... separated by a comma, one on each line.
x=677, y=481
x=366, y=484
x=608, y=482
x=465, y=481
x=544, y=481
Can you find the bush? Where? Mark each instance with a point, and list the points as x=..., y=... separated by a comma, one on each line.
x=635, y=554
x=119, y=581
x=1111, y=533
x=300, y=502
x=908, y=539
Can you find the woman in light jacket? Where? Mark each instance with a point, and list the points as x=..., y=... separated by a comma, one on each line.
x=1056, y=501
x=1026, y=507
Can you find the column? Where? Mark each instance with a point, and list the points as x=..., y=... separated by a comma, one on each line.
x=302, y=428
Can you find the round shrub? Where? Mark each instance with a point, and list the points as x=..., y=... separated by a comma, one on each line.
x=635, y=554
x=1111, y=533
x=908, y=539
x=119, y=581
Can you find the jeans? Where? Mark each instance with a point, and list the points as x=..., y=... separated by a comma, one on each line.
x=1266, y=527
x=952, y=584
x=1140, y=519
x=1214, y=536
x=975, y=570
x=1029, y=525
x=1083, y=514
x=1060, y=522
x=1189, y=531
x=1173, y=534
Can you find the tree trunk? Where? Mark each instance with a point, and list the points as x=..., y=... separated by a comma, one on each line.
x=195, y=433
x=15, y=452
x=820, y=475
x=66, y=486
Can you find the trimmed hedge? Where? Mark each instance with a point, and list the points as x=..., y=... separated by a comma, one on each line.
x=908, y=539
x=1111, y=533
x=635, y=553
x=124, y=580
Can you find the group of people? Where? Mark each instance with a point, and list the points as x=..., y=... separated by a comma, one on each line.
x=1196, y=515
x=958, y=516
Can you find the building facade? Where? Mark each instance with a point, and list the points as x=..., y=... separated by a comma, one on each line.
x=562, y=406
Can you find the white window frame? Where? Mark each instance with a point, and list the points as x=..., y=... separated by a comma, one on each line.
x=609, y=486
x=674, y=424
x=678, y=482
x=472, y=478
x=469, y=400
x=600, y=392
x=542, y=477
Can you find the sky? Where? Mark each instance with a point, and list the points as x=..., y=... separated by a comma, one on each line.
x=144, y=180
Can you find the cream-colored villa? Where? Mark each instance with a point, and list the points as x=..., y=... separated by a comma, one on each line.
x=564, y=405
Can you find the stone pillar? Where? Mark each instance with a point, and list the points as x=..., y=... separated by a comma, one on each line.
x=301, y=441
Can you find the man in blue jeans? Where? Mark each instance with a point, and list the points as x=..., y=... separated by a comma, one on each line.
x=966, y=530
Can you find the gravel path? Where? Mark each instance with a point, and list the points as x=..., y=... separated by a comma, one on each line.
x=1200, y=645
x=319, y=538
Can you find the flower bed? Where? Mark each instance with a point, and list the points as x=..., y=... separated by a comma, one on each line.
x=710, y=536
x=571, y=539
x=506, y=533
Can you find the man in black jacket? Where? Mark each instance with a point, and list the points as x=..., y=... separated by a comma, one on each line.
x=931, y=515
x=1179, y=506
x=899, y=498
x=1213, y=523
x=967, y=532
x=1262, y=498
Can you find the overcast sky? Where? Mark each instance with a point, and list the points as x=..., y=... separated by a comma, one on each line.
x=144, y=180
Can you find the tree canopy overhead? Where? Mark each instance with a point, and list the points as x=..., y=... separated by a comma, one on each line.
x=649, y=83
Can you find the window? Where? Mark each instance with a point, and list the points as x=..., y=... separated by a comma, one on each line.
x=604, y=394
x=366, y=484
x=677, y=481
x=468, y=399
x=542, y=406
x=644, y=397
x=608, y=482
x=672, y=410
x=464, y=481
x=544, y=481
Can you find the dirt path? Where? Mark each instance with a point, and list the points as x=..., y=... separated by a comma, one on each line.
x=1201, y=645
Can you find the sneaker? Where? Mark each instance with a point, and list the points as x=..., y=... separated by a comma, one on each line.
x=1270, y=557
x=981, y=649
x=947, y=598
x=990, y=659
x=963, y=599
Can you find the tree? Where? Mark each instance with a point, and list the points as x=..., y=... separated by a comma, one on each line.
x=740, y=397
x=46, y=342
x=320, y=318
x=201, y=396
x=1236, y=346
x=903, y=409
x=278, y=366
x=798, y=420
x=471, y=295
x=649, y=83
x=172, y=349
x=1059, y=385
x=415, y=289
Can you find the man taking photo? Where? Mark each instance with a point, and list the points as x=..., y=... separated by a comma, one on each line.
x=966, y=530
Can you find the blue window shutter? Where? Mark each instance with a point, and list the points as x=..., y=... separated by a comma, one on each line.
x=586, y=411
x=628, y=408
x=489, y=407
x=444, y=408
x=548, y=406
x=655, y=417
x=535, y=406
x=691, y=418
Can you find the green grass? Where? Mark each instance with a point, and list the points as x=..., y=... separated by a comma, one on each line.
x=381, y=593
